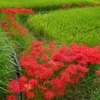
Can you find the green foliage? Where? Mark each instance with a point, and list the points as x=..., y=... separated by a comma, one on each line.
x=42, y=4
x=7, y=69
x=95, y=95
x=22, y=41
x=87, y=88
x=66, y=26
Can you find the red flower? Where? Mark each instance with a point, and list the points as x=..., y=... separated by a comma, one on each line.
x=43, y=88
x=11, y=97
x=45, y=57
x=76, y=72
x=1, y=9
x=14, y=86
x=69, y=6
x=32, y=83
x=98, y=73
x=23, y=79
x=22, y=85
x=49, y=95
x=82, y=68
x=12, y=26
x=30, y=95
x=93, y=4
x=80, y=5
x=58, y=84
x=64, y=6
x=18, y=11
x=65, y=77
x=64, y=66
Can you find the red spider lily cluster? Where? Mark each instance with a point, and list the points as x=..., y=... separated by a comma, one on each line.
x=22, y=85
x=79, y=5
x=95, y=4
x=18, y=11
x=51, y=70
x=11, y=97
x=9, y=24
x=66, y=6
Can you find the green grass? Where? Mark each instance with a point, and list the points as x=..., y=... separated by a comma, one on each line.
x=95, y=94
x=7, y=69
x=87, y=89
x=66, y=26
x=42, y=4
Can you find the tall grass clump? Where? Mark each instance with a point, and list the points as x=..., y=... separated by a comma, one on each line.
x=7, y=70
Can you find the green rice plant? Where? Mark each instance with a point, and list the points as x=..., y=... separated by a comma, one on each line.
x=7, y=69
x=96, y=93
x=78, y=25
x=42, y=4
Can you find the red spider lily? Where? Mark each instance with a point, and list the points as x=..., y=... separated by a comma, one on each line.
x=11, y=20
x=5, y=26
x=49, y=95
x=18, y=11
x=76, y=72
x=13, y=84
x=11, y=97
x=1, y=9
x=94, y=4
x=42, y=64
x=80, y=54
x=98, y=73
x=80, y=5
x=22, y=85
x=69, y=6
x=30, y=95
x=64, y=6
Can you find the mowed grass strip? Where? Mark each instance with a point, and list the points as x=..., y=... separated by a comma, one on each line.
x=42, y=4
x=78, y=25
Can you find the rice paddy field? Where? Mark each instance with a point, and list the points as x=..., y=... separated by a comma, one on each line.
x=43, y=4
x=84, y=26
x=33, y=66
